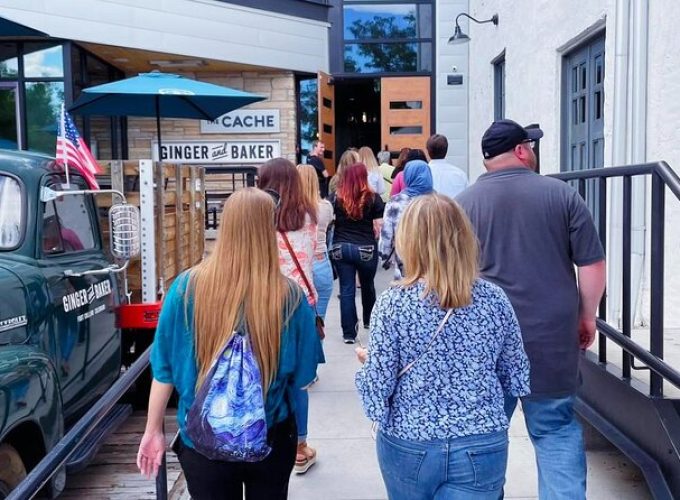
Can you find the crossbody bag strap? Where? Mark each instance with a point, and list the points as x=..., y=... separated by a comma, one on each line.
x=297, y=264
x=429, y=344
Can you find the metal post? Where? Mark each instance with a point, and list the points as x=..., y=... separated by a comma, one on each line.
x=626, y=311
x=602, y=230
x=657, y=280
x=147, y=224
x=162, y=477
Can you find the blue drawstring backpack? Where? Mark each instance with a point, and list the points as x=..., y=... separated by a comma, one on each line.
x=227, y=420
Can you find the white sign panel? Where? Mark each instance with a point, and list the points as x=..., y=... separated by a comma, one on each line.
x=244, y=121
x=217, y=151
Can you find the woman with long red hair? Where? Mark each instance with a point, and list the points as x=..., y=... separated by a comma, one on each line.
x=354, y=249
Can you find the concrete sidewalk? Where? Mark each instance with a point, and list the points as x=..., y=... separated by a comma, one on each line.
x=348, y=468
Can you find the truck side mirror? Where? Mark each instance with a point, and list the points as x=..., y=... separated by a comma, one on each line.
x=124, y=227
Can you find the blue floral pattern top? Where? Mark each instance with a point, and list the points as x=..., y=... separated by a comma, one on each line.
x=456, y=388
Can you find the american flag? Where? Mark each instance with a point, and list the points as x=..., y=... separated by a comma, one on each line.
x=73, y=152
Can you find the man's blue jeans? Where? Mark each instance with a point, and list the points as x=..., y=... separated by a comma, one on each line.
x=350, y=260
x=465, y=468
x=558, y=442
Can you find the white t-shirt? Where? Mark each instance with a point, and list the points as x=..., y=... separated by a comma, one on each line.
x=447, y=179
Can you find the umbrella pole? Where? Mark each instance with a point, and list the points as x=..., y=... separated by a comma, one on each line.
x=158, y=127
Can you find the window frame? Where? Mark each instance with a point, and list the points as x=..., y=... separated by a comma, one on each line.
x=79, y=182
x=499, y=78
x=366, y=41
x=24, y=213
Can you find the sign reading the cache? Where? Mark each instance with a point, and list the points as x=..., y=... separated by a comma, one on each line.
x=244, y=121
x=217, y=151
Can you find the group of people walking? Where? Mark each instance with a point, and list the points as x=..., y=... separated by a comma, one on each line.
x=486, y=311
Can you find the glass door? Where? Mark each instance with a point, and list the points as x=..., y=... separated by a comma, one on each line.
x=9, y=116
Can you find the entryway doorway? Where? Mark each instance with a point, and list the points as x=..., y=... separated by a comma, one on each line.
x=386, y=113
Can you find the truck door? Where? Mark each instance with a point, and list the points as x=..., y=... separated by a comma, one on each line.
x=86, y=341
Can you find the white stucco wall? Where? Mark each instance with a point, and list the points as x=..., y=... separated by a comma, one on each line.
x=197, y=28
x=451, y=100
x=532, y=33
x=663, y=135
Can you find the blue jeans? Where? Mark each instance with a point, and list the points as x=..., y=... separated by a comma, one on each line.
x=558, y=442
x=323, y=282
x=350, y=260
x=465, y=468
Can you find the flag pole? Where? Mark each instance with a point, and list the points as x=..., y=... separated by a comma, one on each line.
x=64, y=153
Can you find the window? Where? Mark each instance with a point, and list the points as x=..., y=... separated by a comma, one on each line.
x=381, y=37
x=583, y=112
x=43, y=108
x=67, y=226
x=499, y=87
x=308, y=119
x=11, y=213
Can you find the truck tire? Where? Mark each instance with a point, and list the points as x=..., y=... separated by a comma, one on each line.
x=12, y=469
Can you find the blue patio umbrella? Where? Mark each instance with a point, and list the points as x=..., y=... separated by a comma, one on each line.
x=161, y=95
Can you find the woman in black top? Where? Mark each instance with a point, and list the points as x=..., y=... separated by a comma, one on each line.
x=354, y=249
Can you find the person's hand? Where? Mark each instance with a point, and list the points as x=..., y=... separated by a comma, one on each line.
x=586, y=332
x=362, y=354
x=325, y=173
x=150, y=453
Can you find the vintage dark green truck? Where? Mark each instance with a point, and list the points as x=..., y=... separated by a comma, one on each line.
x=60, y=289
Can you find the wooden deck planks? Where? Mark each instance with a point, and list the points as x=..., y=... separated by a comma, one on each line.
x=113, y=474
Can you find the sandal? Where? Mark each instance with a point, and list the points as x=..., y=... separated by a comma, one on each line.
x=305, y=458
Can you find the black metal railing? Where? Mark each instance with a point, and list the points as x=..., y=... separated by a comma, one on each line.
x=231, y=179
x=56, y=459
x=663, y=177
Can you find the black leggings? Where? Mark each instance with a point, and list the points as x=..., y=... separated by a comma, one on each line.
x=266, y=480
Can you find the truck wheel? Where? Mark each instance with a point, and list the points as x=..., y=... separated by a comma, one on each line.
x=12, y=470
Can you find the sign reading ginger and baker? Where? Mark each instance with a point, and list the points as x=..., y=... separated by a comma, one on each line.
x=217, y=151
x=244, y=121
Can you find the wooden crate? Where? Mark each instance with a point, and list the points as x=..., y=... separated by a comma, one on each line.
x=179, y=213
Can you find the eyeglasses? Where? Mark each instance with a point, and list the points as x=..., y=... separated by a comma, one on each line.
x=529, y=142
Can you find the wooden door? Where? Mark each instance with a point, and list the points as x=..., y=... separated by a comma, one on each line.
x=327, y=120
x=404, y=112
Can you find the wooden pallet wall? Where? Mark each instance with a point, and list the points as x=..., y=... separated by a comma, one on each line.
x=179, y=208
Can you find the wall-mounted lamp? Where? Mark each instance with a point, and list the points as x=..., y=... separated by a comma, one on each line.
x=460, y=37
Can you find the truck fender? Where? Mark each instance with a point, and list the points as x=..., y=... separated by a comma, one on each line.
x=30, y=402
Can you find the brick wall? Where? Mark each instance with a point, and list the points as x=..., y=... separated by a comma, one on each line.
x=277, y=87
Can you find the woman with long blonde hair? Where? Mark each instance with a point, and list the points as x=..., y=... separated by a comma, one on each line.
x=349, y=157
x=321, y=269
x=445, y=348
x=375, y=178
x=237, y=290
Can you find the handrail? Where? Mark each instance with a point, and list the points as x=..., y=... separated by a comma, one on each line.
x=56, y=459
x=661, y=168
x=662, y=177
x=658, y=365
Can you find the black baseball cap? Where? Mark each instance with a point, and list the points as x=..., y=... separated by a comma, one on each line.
x=503, y=135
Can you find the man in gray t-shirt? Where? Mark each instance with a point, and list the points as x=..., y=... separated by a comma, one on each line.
x=533, y=230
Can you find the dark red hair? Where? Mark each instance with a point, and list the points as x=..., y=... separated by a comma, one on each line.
x=281, y=175
x=353, y=191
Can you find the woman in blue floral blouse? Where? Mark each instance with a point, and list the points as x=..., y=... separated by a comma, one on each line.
x=443, y=431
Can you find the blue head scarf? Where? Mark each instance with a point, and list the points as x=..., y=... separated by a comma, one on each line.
x=417, y=178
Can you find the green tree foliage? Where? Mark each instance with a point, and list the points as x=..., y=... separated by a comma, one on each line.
x=387, y=57
x=43, y=101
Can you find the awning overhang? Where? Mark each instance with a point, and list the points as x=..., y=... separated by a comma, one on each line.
x=9, y=28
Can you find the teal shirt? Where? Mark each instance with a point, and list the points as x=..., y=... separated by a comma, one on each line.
x=173, y=355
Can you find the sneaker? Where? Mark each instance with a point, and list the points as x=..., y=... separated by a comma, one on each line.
x=305, y=458
x=348, y=340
